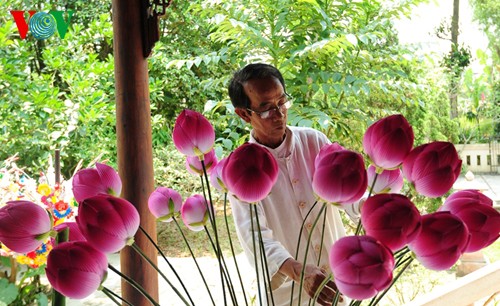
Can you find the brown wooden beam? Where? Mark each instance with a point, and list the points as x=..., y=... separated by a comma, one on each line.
x=133, y=130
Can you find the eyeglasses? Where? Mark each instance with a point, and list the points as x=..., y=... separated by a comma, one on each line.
x=272, y=111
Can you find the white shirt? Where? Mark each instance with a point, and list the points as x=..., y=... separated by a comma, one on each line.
x=283, y=211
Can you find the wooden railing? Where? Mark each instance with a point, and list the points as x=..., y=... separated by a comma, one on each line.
x=467, y=290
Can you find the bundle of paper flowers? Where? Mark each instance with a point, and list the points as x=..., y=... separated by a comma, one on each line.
x=391, y=232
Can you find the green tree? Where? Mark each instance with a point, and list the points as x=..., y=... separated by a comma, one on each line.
x=57, y=93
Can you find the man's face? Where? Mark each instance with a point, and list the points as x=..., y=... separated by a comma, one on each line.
x=266, y=95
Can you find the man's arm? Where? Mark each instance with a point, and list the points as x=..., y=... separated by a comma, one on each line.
x=313, y=278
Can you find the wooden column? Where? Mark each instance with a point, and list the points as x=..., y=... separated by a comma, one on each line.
x=133, y=130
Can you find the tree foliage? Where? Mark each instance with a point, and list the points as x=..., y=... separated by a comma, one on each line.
x=341, y=60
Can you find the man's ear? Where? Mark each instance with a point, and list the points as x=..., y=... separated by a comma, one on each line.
x=243, y=113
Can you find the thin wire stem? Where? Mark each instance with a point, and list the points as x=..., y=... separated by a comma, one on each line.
x=224, y=270
x=134, y=284
x=358, y=228
x=255, y=257
x=168, y=262
x=302, y=273
x=232, y=250
x=140, y=252
x=263, y=252
x=194, y=259
x=112, y=296
x=407, y=261
x=214, y=225
x=298, y=245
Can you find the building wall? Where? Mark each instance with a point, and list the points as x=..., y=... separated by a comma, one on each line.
x=479, y=158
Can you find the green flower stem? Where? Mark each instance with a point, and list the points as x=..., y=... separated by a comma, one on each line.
x=214, y=225
x=302, y=273
x=224, y=270
x=194, y=259
x=358, y=228
x=321, y=247
x=57, y=298
x=256, y=264
x=264, y=257
x=320, y=288
x=168, y=262
x=298, y=244
x=232, y=250
x=134, y=284
x=113, y=296
x=140, y=252
x=407, y=261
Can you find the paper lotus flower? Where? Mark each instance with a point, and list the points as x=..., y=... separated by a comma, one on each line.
x=74, y=231
x=216, y=176
x=194, y=166
x=441, y=241
x=339, y=175
x=193, y=134
x=361, y=266
x=432, y=168
x=391, y=218
x=76, y=269
x=165, y=203
x=107, y=222
x=250, y=172
x=89, y=182
x=24, y=226
x=194, y=212
x=388, y=181
x=476, y=211
x=388, y=141
x=467, y=196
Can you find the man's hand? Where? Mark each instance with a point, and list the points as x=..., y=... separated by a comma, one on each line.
x=313, y=278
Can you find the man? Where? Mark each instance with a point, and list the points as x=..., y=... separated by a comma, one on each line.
x=258, y=94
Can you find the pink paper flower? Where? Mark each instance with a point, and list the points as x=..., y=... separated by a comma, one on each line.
x=24, y=226
x=75, y=269
x=194, y=212
x=388, y=141
x=216, y=176
x=193, y=163
x=391, y=218
x=340, y=175
x=250, y=172
x=74, y=231
x=107, y=222
x=476, y=211
x=432, y=168
x=165, y=203
x=441, y=241
x=193, y=134
x=361, y=266
x=389, y=181
x=468, y=196
x=90, y=182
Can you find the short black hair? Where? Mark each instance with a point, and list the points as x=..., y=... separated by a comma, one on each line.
x=251, y=71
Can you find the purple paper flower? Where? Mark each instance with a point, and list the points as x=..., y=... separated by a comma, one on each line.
x=391, y=218
x=165, y=203
x=24, y=226
x=250, y=172
x=76, y=269
x=339, y=175
x=361, y=266
x=388, y=141
x=193, y=134
x=102, y=179
x=107, y=222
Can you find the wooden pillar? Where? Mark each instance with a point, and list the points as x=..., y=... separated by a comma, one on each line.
x=133, y=130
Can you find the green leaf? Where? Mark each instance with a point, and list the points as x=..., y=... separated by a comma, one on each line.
x=8, y=292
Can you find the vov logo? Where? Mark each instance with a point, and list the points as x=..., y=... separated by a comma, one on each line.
x=42, y=25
